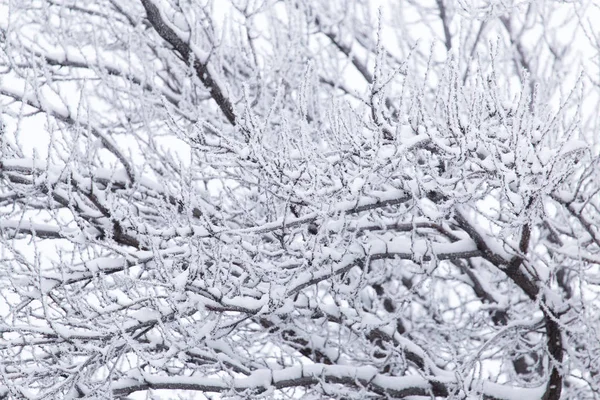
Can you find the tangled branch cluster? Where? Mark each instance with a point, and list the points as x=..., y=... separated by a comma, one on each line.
x=299, y=200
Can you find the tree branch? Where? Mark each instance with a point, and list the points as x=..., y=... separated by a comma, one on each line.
x=200, y=66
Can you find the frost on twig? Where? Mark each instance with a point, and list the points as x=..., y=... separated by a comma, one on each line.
x=324, y=199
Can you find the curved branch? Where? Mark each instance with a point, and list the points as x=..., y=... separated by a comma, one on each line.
x=309, y=375
x=64, y=115
x=513, y=270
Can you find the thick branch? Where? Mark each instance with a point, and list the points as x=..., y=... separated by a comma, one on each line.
x=445, y=23
x=200, y=66
x=312, y=375
x=309, y=375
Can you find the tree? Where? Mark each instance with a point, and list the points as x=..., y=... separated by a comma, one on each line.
x=270, y=199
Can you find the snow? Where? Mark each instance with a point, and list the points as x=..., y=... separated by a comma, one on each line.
x=296, y=154
x=244, y=152
x=111, y=175
x=491, y=241
x=287, y=307
x=488, y=164
x=571, y=146
x=357, y=185
x=553, y=300
x=430, y=209
x=23, y=164
x=505, y=392
x=415, y=249
x=331, y=309
x=202, y=56
x=246, y=304
x=398, y=384
x=332, y=253
x=254, y=269
x=173, y=19
x=181, y=279
x=27, y=226
x=265, y=378
x=120, y=297
x=105, y=264
x=68, y=333
x=260, y=378
x=414, y=141
x=545, y=154
x=507, y=158
x=386, y=151
x=146, y=315
x=292, y=174
x=370, y=320
x=47, y=285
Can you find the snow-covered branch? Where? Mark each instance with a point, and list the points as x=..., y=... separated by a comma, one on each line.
x=318, y=199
